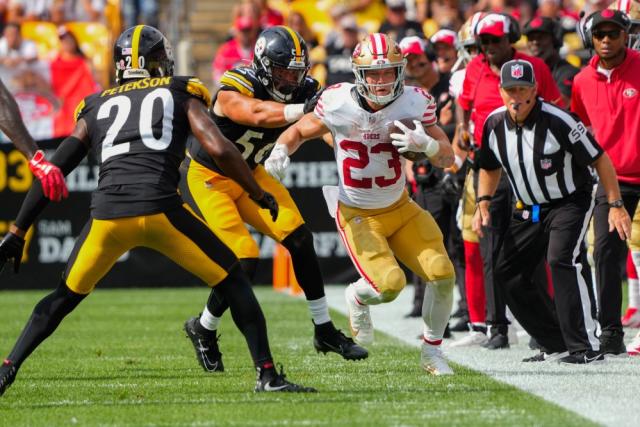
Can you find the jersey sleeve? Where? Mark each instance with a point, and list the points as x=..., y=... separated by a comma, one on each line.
x=238, y=81
x=486, y=157
x=319, y=111
x=197, y=89
x=83, y=108
x=429, y=117
x=579, y=141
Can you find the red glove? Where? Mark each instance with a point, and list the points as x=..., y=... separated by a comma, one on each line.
x=50, y=176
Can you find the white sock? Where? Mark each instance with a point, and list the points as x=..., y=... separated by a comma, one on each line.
x=634, y=293
x=208, y=320
x=319, y=310
x=436, y=308
x=634, y=287
x=366, y=294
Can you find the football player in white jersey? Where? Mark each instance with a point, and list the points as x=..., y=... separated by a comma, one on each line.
x=373, y=122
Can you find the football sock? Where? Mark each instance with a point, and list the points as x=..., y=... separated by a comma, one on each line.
x=246, y=314
x=305, y=262
x=436, y=308
x=216, y=305
x=208, y=321
x=634, y=286
x=249, y=265
x=46, y=317
x=474, y=283
x=319, y=310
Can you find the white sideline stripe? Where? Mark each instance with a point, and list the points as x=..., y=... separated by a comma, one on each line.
x=607, y=393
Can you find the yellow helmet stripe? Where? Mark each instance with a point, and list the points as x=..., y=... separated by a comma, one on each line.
x=296, y=41
x=135, y=43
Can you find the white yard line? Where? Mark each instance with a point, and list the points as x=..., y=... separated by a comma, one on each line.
x=607, y=393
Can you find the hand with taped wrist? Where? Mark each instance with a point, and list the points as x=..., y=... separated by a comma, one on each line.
x=277, y=162
x=415, y=140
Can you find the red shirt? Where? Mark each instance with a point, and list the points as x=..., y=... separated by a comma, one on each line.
x=612, y=108
x=230, y=55
x=481, y=89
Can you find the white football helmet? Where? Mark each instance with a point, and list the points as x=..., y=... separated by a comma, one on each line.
x=632, y=9
x=378, y=51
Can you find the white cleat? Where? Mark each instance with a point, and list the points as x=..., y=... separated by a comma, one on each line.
x=359, y=318
x=473, y=338
x=433, y=361
x=633, y=348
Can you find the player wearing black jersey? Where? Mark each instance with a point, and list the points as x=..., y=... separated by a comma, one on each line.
x=138, y=131
x=253, y=107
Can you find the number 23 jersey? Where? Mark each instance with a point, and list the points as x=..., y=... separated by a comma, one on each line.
x=138, y=131
x=255, y=143
x=370, y=168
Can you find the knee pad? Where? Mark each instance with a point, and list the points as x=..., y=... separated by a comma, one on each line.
x=440, y=267
x=393, y=282
x=246, y=247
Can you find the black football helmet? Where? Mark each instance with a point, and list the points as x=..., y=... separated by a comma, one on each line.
x=142, y=51
x=281, y=61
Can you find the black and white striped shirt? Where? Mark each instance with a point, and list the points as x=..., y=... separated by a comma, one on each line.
x=546, y=159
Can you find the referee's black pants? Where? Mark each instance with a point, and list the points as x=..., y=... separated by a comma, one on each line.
x=570, y=323
x=609, y=249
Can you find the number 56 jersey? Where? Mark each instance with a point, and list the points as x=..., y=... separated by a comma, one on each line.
x=138, y=131
x=370, y=168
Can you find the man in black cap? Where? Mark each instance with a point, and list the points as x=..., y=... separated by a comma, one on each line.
x=544, y=40
x=546, y=154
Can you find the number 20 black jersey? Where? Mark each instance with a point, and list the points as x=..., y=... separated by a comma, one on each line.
x=255, y=143
x=138, y=131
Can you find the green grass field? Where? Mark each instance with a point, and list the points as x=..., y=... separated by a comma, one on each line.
x=122, y=359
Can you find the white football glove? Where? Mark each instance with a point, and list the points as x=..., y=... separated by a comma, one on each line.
x=277, y=162
x=414, y=139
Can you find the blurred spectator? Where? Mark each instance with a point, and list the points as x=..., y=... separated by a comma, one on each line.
x=14, y=50
x=396, y=25
x=239, y=49
x=336, y=13
x=136, y=12
x=268, y=16
x=297, y=22
x=29, y=10
x=77, y=11
x=444, y=43
x=544, y=39
x=446, y=13
x=338, y=60
x=249, y=9
x=420, y=71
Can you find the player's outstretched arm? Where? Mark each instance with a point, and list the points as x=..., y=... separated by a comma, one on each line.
x=445, y=157
x=307, y=128
x=68, y=155
x=249, y=111
x=226, y=155
x=12, y=125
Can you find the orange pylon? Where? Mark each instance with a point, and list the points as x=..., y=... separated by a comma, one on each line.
x=284, y=278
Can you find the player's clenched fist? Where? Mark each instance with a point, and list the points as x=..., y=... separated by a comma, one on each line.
x=277, y=162
x=51, y=177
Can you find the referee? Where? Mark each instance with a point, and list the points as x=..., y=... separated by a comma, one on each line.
x=546, y=154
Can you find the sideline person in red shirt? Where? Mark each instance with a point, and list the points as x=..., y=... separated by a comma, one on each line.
x=605, y=96
x=237, y=50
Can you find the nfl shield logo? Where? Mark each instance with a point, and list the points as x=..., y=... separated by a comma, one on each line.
x=517, y=71
x=545, y=164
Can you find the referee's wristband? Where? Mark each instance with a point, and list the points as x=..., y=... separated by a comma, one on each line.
x=483, y=198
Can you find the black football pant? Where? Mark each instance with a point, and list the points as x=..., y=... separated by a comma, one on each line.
x=609, y=249
x=569, y=321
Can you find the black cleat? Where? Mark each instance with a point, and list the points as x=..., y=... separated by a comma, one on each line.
x=327, y=338
x=206, y=346
x=544, y=357
x=612, y=343
x=8, y=373
x=270, y=380
x=582, y=357
x=496, y=342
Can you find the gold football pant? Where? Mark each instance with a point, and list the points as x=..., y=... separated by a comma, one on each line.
x=468, y=209
x=226, y=208
x=374, y=237
x=178, y=234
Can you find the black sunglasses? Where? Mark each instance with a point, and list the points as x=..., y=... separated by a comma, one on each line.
x=612, y=34
x=487, y=40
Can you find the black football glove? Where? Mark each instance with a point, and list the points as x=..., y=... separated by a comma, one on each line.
x=310, y=104
x=11, y=247
x=268, y=202
x=450, y=186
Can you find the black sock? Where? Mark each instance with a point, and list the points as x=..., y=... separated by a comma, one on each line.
x=305, y=262
x=46, y=317
x=247, y=314
x=216, y=304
